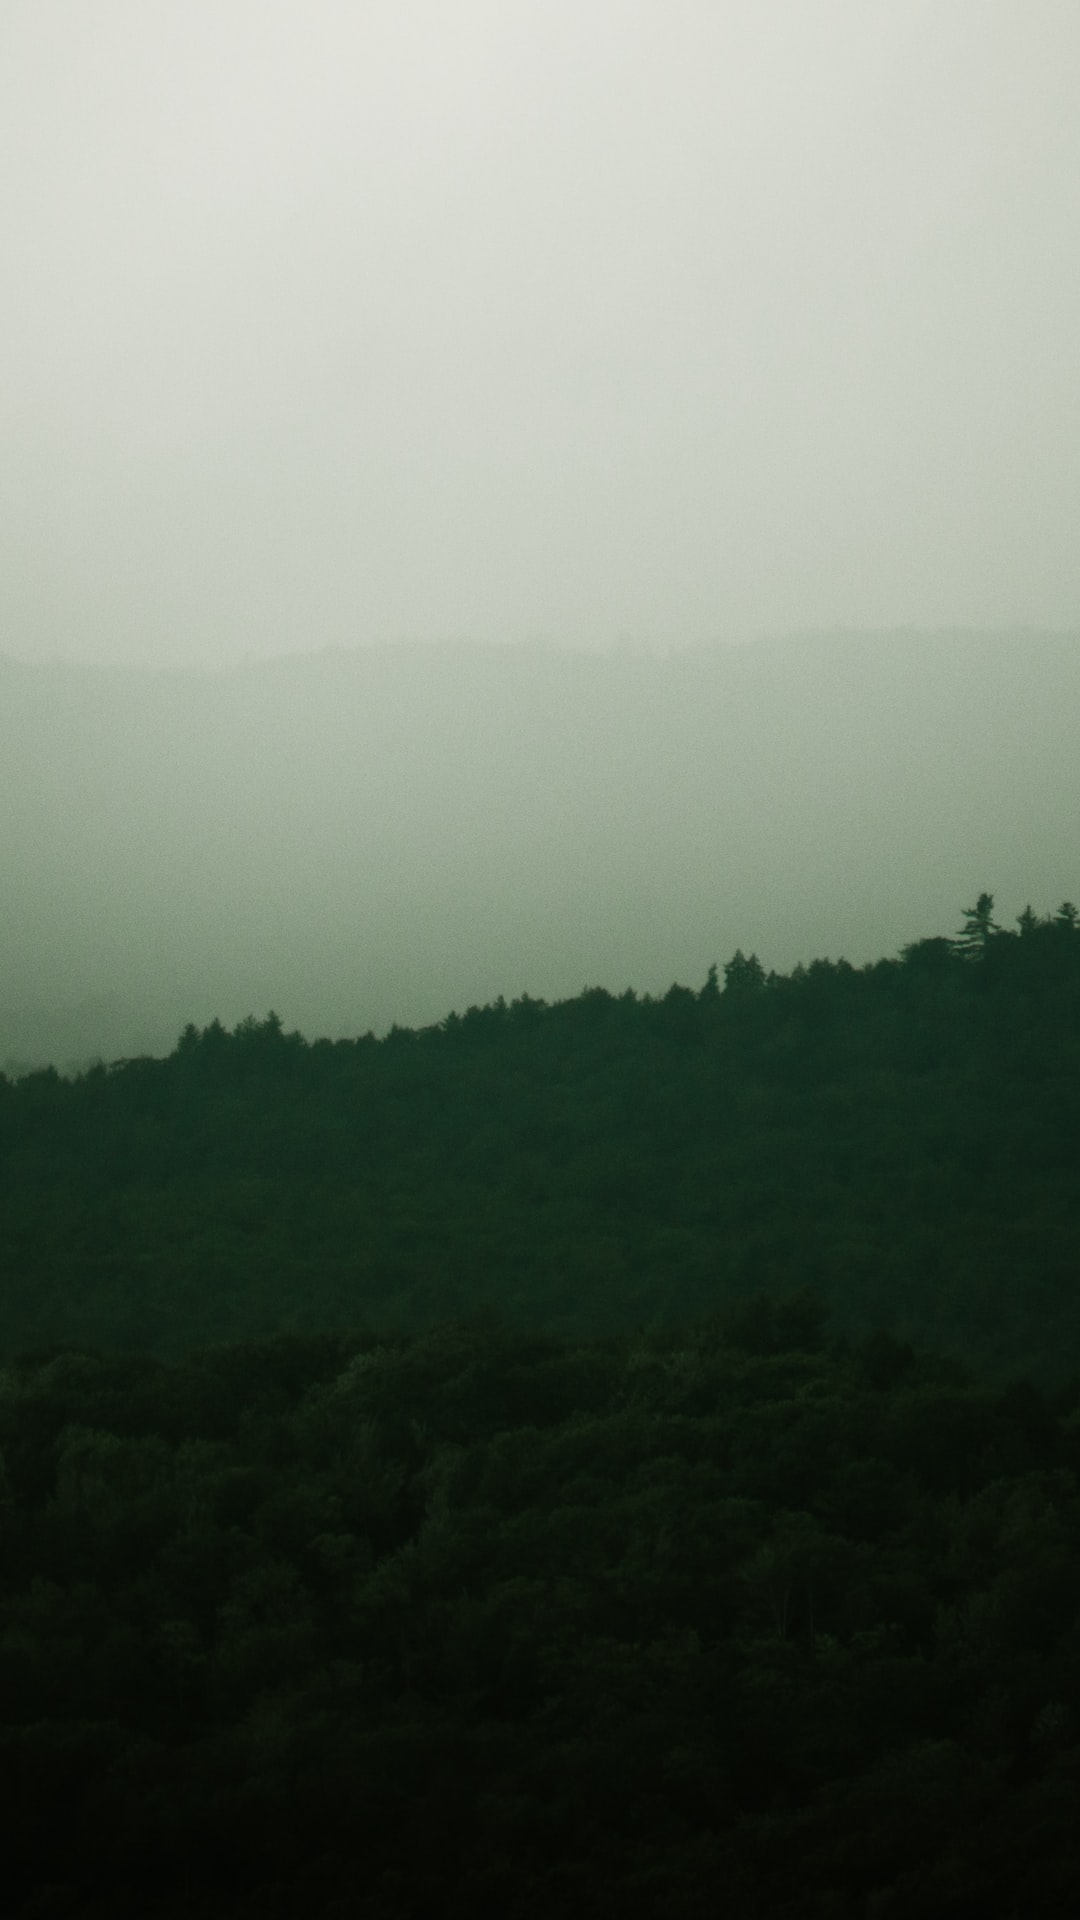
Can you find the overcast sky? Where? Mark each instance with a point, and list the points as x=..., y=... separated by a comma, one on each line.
x=667, y=320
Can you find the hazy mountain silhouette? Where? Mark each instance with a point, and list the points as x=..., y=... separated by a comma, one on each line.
x=361, y=838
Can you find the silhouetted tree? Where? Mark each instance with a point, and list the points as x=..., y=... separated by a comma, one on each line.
x=742, y=974
x=979, y=926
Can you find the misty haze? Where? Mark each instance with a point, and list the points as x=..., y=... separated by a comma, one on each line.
x=539, y=959
x=360, y=839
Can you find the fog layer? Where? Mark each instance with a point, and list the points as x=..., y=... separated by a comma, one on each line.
x=342, y=323
x=357, y=839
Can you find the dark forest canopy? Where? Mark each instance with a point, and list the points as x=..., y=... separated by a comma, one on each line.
x=486, y=1625
x=902, y=1137
x=545, y=1497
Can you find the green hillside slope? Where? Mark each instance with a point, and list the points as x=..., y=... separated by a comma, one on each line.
x=903, y=1138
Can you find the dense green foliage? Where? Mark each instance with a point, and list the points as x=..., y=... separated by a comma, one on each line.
x=903, y=1137
x=590, y=1576
x=478, y=1622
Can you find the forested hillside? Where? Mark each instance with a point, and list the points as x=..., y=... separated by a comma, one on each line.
x=902, y=1138
x=484, y=1625
x=571, y=1517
